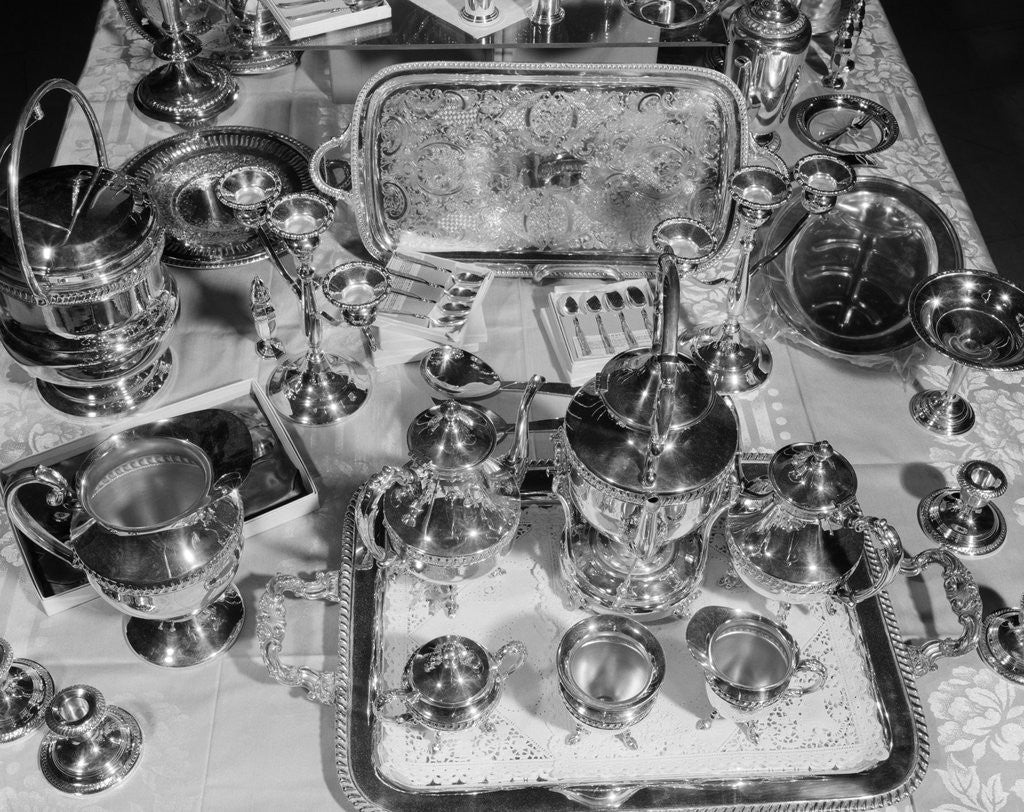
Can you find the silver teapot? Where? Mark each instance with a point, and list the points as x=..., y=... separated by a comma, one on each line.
x=452, y=511
x=767, y=43
x=155, y=522
x=645, y=458
x=797, y=534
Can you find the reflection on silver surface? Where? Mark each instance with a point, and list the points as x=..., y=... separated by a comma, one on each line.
x=844, y=282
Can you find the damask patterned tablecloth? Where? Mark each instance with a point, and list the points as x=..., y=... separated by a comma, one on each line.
x=224, y=736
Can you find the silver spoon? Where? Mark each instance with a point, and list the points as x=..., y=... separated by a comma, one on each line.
x=570, y=307
x=462, y=375
x=449, y=320
x=637, y=298
x=616, y=304
x=593, y=304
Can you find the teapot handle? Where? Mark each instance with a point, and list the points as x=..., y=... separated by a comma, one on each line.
x=883, y=539
x=964, y=599
x=271, y=623
x=316, y=165
x=30, y=113
x=813, y=666
x=61, y=494
x=367, y=506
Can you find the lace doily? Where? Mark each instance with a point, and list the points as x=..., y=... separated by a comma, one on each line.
x=836, y=730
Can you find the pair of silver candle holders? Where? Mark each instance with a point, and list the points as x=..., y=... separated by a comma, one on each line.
x=91, y=745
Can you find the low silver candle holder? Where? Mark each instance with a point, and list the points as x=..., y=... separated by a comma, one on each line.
x=91, y=746
x=1001, y=643
x=26, y=689
x=963, y=519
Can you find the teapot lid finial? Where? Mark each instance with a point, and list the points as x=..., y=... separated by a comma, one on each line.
x=813, y=477
x=451, y=436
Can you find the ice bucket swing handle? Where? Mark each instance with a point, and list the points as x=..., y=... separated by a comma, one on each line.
x=271, y=623
x=30, y=114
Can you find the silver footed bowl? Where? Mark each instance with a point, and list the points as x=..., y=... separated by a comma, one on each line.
x=156, y=525
x=973, y=317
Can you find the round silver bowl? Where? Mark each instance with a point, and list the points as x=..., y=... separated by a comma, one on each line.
x=844, y=283
x=673, y=14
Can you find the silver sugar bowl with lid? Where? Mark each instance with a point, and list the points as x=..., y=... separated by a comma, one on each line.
x=452, y=511
x=85, y=306
x=450, y=684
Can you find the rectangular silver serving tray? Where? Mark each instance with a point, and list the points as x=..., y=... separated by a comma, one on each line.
x=527, y=164
x=887, y=782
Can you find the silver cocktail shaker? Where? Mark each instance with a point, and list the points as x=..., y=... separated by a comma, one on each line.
x=767, y=43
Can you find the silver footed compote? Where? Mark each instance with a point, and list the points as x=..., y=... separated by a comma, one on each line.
x=1001, y=642
x=735, y=359
x=356, y=289
x=315, y=388
x=976, y=319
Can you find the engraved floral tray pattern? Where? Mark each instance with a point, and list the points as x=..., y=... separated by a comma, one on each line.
x=834, y=731
x=520, y=162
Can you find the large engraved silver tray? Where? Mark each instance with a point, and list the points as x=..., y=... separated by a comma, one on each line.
x=361, y=592
x=181, y=173
x=533, y=163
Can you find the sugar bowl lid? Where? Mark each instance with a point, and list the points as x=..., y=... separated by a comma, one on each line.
x=450, y=672
x=451, y=436
x=812, y=477
x=77, y=222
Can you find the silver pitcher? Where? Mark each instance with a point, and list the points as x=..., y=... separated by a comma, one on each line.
x=767, y=43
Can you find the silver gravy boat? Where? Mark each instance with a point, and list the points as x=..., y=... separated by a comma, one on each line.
x=450, y=684
x=750, y=663
x=155, y=522
x=453, y=510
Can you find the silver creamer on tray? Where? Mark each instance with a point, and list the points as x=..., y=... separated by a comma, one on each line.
x=540, y=163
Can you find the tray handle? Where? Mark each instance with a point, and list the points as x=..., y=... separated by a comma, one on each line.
x=316, y=173
x=964, y=599
x=271, y=623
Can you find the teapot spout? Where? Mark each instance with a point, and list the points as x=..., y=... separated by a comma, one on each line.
x=515, y=460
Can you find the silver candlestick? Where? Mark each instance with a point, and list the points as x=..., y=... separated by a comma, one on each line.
x=187, y=91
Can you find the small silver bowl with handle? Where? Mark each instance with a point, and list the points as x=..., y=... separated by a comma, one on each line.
x=750, y=663
x=450, y=684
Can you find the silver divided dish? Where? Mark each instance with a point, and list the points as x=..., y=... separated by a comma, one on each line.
x=845, y=281
x=349, y=689
x=519, y=164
